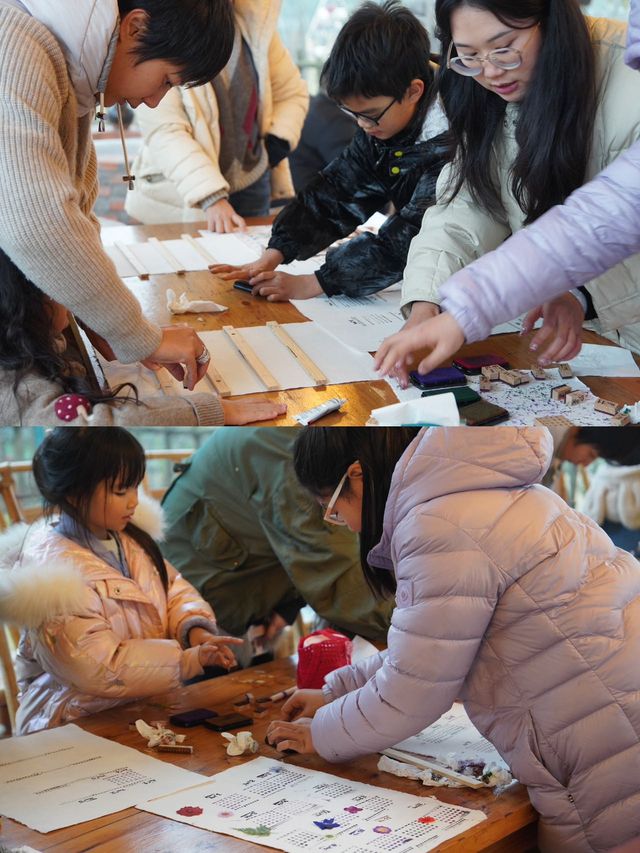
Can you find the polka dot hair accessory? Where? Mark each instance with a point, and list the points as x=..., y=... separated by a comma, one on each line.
x=70, y=407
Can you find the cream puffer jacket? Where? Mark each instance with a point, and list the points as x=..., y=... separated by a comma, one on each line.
x=458, y=232
x=177, y=167
x=92, y=638
x=614, y=494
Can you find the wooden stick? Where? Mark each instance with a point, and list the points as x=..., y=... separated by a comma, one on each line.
x=165, y=382
x=309, y=366
x=166, y=254
x=200, y=249
x=469, y=781
x=217, y=382
x=131, y=258
x=267, y=378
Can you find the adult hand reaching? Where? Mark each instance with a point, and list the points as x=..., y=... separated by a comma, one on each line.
x=223, y=219
x=180, y=346
x=560, y=337
x=441, y=334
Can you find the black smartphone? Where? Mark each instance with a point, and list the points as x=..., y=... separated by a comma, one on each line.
x=226, y=722
x=188, y=719
x=463, y=395
x=243, y=285
x=483, y=414
x=442, y=377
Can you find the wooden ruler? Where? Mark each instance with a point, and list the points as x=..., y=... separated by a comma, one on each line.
x=216, y=380
x=167, y=255
x=249, y=355
x=309, y=366
x=200, y=249
x=131, y=258
x=166, y=382
x=418, y=761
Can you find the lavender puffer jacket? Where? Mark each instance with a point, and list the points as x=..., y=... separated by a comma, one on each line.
x=595, y=229
x=522, y=608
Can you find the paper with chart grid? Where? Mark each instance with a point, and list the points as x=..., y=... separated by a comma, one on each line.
x=293, y=809
x=62, y=777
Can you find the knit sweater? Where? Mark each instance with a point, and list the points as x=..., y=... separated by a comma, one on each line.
x=48, y=186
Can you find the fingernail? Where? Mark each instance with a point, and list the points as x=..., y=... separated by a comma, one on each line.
x=533, y=347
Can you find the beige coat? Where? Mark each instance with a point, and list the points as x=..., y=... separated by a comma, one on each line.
x=177, y=167
x=456, y=233
x=93, y=638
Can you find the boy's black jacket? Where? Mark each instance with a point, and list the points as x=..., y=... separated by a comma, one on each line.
x=362, y=180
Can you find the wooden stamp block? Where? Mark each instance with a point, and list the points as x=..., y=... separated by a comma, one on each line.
x=538, y=373
x=511, y=377
x=606, y=407
x=491, y=372
x=576, y=397
x=565, y=371
x=622, y=419
x=553, y=421
x=485, y=384
x=524, y=376
x=560, y=392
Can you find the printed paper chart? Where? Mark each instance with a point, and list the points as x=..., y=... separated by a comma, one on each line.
x=297, y=810
x=64, y=776
x=339, y=363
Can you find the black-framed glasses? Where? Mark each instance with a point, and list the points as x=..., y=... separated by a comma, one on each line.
x=505, y=58
x=368, y=121
x=330, y=516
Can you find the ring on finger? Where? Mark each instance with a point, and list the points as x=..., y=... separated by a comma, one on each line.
x=204, y=357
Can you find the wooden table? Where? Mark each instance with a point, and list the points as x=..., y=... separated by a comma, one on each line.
x=509, y=828
x=245, y=310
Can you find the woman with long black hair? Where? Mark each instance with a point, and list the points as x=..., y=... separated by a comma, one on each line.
x=506, y=599
x=539, y=100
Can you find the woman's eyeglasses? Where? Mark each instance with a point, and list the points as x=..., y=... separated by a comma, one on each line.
x=505, y=58
x=330, y=516
x=365, y=120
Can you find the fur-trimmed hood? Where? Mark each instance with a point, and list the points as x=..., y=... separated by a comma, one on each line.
x=32, y=592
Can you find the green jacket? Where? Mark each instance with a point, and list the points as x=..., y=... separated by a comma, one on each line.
x=252, y=540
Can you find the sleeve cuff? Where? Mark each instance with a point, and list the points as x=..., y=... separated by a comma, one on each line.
x=194, y=622
x=190, y=664
x=212, y=199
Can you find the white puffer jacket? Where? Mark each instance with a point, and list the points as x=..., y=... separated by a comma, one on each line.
x=614, y=494
x=92, y=638
x=177, y=167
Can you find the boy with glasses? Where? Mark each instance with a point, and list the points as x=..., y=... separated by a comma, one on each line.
x=378, y=72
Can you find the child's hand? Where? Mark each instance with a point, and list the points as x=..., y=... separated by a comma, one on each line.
x=213, y=647
x=441, y=334
x=269, y=260
x=239, y=412
x=561, y=332
x=223, y=219
x=296, y=736
x=282, y=286
x=303, y=703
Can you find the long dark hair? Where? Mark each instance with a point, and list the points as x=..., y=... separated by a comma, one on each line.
x=615, y=446
x=321, y=455
x=554, y=128
x=27, y=342
x=71, y=463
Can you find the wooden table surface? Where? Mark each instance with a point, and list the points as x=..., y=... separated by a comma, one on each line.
x=510, y=824
x=245, y=310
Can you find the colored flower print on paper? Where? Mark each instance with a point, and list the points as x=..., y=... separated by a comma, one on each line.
x=426, y=820
x=327, y=823
x=382, y=830
x=353, y=809
x=225, y=814
x=258, y=831
x=189, y=811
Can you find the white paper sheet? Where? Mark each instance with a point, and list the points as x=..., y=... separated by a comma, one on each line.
x=363, y=322
x=596, y=360
x=527, y=402
x=64, y=776
x=339, y=363
x=438, y=410
x=296, y=810
x=452, y=738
